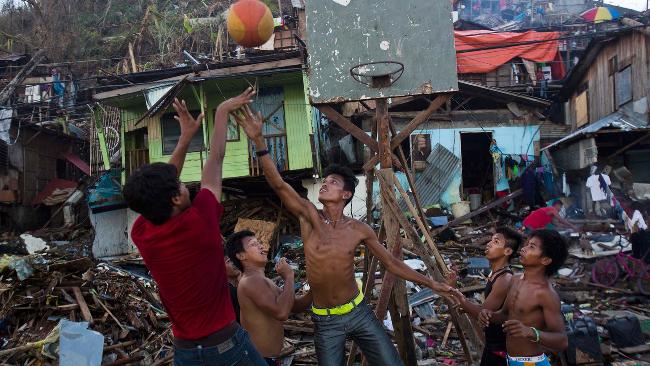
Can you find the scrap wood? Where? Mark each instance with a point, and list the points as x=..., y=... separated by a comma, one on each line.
x=125, y=330
x=125, y=361
x=432, y=266
x=480, y=210
x=446, y=336
x=85, y=312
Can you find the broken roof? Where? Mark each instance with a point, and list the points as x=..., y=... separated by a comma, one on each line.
x=283, y=61
x=618, y=120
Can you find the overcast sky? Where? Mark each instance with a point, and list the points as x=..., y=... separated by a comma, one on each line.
x=638, y=5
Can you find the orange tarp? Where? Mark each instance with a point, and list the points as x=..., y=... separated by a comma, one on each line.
x=478, y=62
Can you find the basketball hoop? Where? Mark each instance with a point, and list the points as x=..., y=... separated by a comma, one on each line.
x=378, y=74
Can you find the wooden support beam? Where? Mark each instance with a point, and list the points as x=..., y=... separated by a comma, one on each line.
x=406, y=132
x=479, y=211
x=393, y=238
x=628, y=146
x=350, y=127
x=426, y=258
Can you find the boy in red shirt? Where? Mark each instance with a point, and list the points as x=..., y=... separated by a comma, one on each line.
x=544, y=217
x=181, y=244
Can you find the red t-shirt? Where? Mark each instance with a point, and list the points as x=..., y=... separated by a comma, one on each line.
x=539, y=218
x=185, y=257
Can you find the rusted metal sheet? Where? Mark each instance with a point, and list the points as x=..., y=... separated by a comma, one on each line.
x=347, y=33
x=441, y=168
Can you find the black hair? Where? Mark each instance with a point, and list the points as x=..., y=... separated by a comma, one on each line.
x=513, y=239
x=349, y=180
x=149, y=191
x=553, y=246
x=235, y=244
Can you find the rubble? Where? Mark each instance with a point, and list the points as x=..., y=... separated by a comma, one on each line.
x=45, y=292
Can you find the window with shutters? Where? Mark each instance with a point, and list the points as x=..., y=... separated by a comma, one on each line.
x=623, y=86
x=171, y=132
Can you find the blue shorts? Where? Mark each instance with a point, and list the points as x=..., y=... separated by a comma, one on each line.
x=529, y=361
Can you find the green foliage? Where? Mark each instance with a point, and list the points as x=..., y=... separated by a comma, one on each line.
x=74, y=30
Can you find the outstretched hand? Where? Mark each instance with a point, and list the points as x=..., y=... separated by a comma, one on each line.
x=189, y=125
x=235, y=103
x=251, y=122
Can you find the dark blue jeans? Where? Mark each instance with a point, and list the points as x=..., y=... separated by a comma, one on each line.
x=237, y=351
x=360, y=325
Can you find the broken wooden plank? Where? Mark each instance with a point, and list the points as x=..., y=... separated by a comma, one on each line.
x=424, y=229
x=480, y=210
x=85, y=311
x=628, y=146
x=406, y=132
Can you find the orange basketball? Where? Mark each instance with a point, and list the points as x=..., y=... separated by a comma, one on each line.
x=250, y=23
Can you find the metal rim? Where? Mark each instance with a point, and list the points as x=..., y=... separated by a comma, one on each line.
x=394, y=75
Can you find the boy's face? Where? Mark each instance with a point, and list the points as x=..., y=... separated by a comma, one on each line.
x=254, y=252
x=496, y=248
x=531, y=253
x=332, y=189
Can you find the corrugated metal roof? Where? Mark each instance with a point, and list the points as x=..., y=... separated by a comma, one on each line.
x=619, y=120
x=441, y=168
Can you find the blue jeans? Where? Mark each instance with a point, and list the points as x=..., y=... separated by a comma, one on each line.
x=360, y=325
x=237, y=351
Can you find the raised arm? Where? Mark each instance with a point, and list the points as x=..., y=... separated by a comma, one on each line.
x=252, y=123
x=189, y=125
x=397, y=266
x=213, y=167
x=265, y=298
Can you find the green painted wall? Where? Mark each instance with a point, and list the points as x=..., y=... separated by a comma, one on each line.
x=298, y=124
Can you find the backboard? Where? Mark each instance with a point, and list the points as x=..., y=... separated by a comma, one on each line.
x=343, y=34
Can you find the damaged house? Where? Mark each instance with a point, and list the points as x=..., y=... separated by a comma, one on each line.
x=43, y=150
x=605, y=103
x=150, y=133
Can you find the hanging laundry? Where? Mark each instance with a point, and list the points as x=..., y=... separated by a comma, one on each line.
x=529, y=185
x=6, y=115
x=549, y=183
x=566, y=190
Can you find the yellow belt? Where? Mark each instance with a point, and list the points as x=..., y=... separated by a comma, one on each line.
x=341, y=309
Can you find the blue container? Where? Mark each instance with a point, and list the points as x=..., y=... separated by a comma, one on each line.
x=438, y=220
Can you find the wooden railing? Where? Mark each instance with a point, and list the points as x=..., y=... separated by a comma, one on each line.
x=135, y=159
x=277, y=146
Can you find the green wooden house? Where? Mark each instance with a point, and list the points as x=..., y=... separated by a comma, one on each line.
x=149, y=132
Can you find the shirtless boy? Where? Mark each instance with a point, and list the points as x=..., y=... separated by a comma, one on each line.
x=264, y=306
x=531, y=315
x=330, y=241
x=499, y=251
